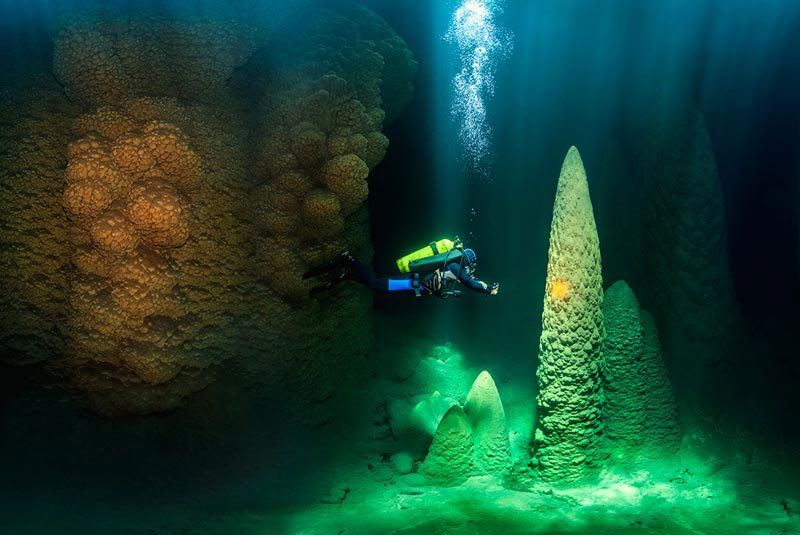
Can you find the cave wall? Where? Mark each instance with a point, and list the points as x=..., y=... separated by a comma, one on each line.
x=173, y=210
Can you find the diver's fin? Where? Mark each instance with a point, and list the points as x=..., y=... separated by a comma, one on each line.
x=331, y=283
x=322, y=269
x=319, y=288
x=329, y=266
x=316, y=271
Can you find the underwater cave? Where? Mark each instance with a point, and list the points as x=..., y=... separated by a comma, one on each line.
x=399, y=266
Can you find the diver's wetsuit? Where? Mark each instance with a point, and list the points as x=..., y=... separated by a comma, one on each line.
x=431, y=283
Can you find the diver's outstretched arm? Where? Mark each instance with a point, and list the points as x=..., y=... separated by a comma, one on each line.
x=473, y=283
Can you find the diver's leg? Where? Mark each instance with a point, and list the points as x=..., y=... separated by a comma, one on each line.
x=360, y=272
x=325, y=286
x=382, y=285
x=345, y=267
x=351, y=269
x=401, y=285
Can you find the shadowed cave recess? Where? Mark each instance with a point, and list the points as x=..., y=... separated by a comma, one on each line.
x=170, y=170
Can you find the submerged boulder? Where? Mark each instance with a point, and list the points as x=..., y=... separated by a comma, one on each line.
x=484, y=409
x=450, y=458
x=567, y=443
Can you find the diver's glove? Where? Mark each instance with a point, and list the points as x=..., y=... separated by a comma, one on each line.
x=494, y=288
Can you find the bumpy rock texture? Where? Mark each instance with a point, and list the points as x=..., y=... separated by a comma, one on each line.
x=568, y=437
x=664, y=427
x=640, y=415
x=485, y=411
x=369, y=54
x=150, y=243
x=153, y=267
x=623, y=415
x=449, y=460
x=34, y=129
x=469, y=440
x=105, y=61
x=688, y=283
x=321, y=88
x=319, y=136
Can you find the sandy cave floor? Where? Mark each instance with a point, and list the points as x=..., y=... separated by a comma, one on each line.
x=720, y=482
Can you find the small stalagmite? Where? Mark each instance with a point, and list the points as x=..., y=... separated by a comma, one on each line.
x=624, y=414
x=450, y=457
x=664, y=431
x=485, y=411
x=640, y=416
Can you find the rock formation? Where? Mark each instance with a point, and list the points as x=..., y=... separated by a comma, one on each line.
x=624, y=415
x=319, y=136
x=449, y=460
x=640, y=413
x=104, y=61
x=568, y=437
x=157, y=254
x=687, y=284
x=34, y=256
x=663, y=431
x=485, y=411
x=477, y=431
x=370, y=55
x=316, y=137
x=315, y=156
x=169, y=245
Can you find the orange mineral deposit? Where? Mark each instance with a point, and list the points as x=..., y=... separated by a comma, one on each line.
x=559, y=289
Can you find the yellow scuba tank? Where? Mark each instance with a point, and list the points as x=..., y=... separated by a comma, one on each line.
x=434, y=248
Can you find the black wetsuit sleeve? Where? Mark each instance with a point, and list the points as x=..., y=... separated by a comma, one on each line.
x=465, y=278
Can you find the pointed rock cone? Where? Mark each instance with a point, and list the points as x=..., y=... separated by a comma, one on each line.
x=663, y=431
x=640, y=415
x=568, y=439
x=484, y=409
x=449, y=459
x=624, y=415
x=687, y=283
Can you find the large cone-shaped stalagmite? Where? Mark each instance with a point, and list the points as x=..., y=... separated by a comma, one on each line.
x=687, y=277
x=640, y=413
x=569, y=429
x=485, y=412
x=449, y=460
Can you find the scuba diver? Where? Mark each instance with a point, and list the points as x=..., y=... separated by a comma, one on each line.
x=432, y=270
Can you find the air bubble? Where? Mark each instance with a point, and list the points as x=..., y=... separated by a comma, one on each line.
x=480, y=43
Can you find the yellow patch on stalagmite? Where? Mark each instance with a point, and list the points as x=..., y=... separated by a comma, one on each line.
x=559, y=289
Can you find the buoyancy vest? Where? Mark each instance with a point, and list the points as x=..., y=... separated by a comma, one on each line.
x=431, y=257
